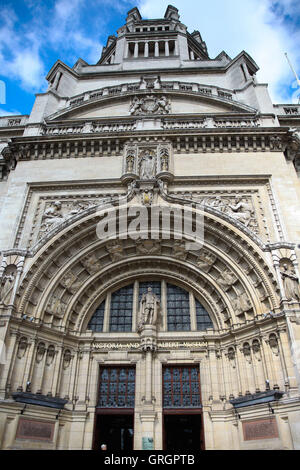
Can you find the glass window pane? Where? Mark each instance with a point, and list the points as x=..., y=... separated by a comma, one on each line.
x=96, y=322
x=202, y=317
x=178, y=309
x=120, y=318
x=117, y=388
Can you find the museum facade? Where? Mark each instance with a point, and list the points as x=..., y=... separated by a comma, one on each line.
x=150, y=230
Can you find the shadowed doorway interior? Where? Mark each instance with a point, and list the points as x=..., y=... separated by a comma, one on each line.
x=116, y=431
x=183, y=433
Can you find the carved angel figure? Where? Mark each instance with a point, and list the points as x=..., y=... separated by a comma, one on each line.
x=149, y=306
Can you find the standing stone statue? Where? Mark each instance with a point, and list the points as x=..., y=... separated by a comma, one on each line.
x=6, y=285
x=290, y=283
x=149, y=306
x=147, y=168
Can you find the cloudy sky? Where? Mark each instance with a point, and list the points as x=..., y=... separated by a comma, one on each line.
x=35, y=33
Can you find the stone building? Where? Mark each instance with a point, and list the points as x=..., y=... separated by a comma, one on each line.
x=151, y=338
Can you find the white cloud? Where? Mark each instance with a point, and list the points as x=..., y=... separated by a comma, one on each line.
x=4, y=112
x=255, y=26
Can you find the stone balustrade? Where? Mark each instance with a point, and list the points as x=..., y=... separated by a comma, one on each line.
x=128, y=88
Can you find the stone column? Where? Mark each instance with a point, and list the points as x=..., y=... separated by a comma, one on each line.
x=146, y=50
x=156, y=50
x=176, y=47
x=192, y=56
x=57, y=371
x=167, y=50
x=126, y=50
x=28, y=362
x=148, y=414
x=136, y=50
x=5, y=376
x=193, y=312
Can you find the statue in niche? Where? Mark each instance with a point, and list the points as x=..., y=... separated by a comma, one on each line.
x=6, y=286
x=129, y=163
x=147, y=167
x=149, y=306
x=164, y=159
x=52, y=216
x=290, y=283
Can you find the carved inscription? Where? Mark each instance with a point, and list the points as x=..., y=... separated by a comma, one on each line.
x=35, y=430
x=260, y=429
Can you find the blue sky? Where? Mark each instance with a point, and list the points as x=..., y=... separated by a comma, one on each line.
x=35, y=33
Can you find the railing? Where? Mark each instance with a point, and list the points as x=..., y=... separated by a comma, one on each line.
x=162, y=86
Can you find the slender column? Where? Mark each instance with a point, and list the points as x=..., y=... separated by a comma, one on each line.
x=164, y=305
x=41, y=367
x=193, y=312
x=106, y=314
x=267, y=360
x=57, y=369
x=136, y=50
x=167, y=50
x=28, y=362
x=148, y=394
x=192, y=56
x=135, y=310
x=176, y=47
x=5, y=376
x=126, y=50
x=156, y=51
x=241, y=366
x=146, y=50
x=253, y=361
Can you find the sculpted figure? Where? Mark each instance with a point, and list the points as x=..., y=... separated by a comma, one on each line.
x=241, y=211
x=56, y=307
x=241, y=304
x=227, y=279
x=91, y=264
x=52, y=216
x=147, y=167
x=148, y=309
x=163, y=104
x=70, y=282
x=6, y=286
x=115, y=249
x=135, y=105
x=290, y=283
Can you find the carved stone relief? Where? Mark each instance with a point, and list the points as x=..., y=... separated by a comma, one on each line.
x=146, y=160
x=57, y=212
x=150, y=104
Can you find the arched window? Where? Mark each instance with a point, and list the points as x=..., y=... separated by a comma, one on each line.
x=180, y=310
